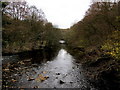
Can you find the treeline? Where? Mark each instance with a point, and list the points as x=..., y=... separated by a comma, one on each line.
x=25, y=28
x=100, y=28
x=95, y=43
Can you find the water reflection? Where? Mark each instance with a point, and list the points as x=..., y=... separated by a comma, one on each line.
x=61, y=68
x=63, y=62
x=36, y=56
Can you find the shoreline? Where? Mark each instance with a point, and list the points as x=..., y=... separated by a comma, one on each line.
x=101, y=70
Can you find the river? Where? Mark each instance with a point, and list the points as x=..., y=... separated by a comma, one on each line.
x=60, y=72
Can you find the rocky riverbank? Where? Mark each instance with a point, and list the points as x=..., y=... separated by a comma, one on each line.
x=61, y=72
x=102, y=69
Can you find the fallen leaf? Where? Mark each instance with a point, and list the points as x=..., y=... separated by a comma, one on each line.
x=44, y=72
x=13, y=80
x=6, y=69
x=21, y=62
x=41, y=78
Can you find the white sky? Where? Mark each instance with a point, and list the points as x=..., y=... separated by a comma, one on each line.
x=62, y=13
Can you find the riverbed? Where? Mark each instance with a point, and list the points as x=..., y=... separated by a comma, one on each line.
x=61, y=71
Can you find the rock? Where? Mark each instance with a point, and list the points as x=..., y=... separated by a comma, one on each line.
x=77, y=66
x=44, y=72
x=35, y=87
x=57, y=73
x=27, y=60
x=71, y=82
x=56, y=77
x=16, y=69
x=34, y=65
x=46, y=77
x=73, y=67
x=62, y=82
x=6, y=70
x=21, y=62
x=54, y=87
x=15, y=74
x=30, y=79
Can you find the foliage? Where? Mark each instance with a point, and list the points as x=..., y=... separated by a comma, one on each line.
x=100, y=21
x=26, y=28
x=112, y=45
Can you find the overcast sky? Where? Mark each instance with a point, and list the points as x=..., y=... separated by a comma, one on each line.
x=62, y=13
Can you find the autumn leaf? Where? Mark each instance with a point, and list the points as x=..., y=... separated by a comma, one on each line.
x=13, y=80
x=41, y=78
x=44, y=72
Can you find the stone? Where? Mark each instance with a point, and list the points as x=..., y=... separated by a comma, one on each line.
x=57, y=73
x=62, y=82
x=30, y=79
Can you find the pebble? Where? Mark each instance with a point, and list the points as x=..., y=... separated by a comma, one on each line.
x=30, y=79
x=35, y=87
x=73, y=67
x=56, y=77
x=71, y=82
x=57, y=73
x=62, y=82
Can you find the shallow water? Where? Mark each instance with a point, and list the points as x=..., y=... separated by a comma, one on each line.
x=62, y=72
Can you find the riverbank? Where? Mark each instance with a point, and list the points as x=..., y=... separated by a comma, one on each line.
x=102, y=69
x=45, y=53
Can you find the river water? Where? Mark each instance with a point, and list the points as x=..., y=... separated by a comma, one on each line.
x=61, y=72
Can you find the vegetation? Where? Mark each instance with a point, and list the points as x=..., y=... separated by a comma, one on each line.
x=98, y=29
x=96, y=41
x=112, y=45
x=26, y=28
x=99, y=22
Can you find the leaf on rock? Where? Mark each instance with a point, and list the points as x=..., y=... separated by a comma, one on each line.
x=41, y=78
